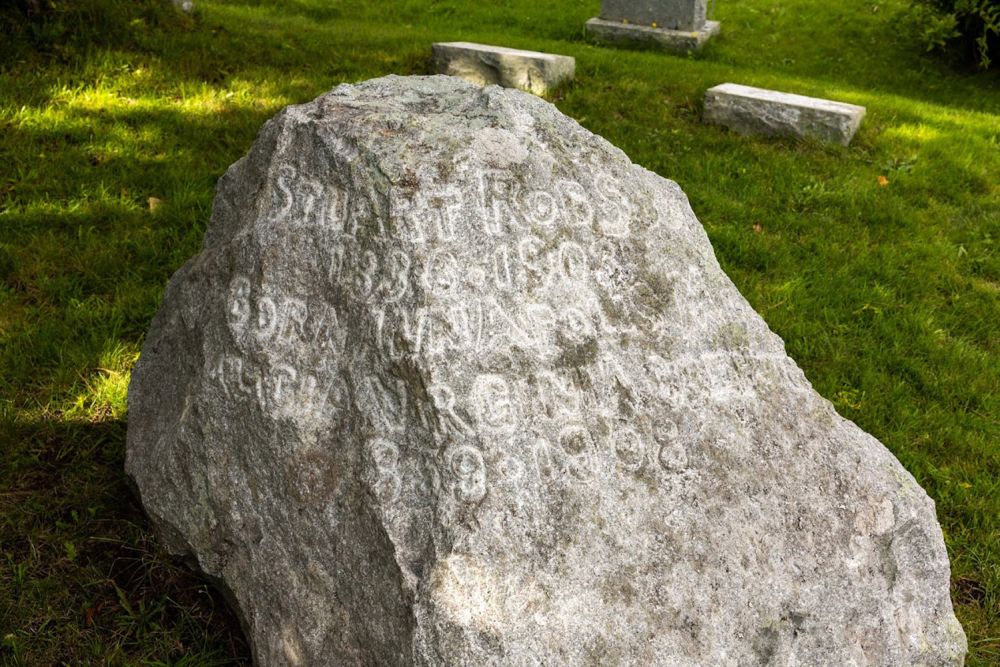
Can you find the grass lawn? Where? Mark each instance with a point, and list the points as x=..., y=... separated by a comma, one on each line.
x=886, y=290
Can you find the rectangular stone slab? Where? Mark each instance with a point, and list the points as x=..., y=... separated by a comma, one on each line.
x=687, y=15
x=483, y=64
x=749, y=110
x=617, y=33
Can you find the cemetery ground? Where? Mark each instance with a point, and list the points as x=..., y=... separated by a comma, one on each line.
x=878, y=264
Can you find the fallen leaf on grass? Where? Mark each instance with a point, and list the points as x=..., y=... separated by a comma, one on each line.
x=883, y=181
x=90, y=612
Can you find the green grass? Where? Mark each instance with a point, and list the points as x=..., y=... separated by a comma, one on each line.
x=888, y=295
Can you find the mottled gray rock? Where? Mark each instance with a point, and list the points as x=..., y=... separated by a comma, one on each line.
x=483, y=64
x=749, y=110
x=686, y=15
x=453, y=382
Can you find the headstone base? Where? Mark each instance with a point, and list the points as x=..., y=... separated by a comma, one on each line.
x=484, y=64
x=628, y=34
x=748, y=110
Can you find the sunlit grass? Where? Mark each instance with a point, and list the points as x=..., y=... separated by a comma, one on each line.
x=104, y=391
x=878, y=264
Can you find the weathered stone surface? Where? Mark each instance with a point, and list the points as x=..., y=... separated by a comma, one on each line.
x=688, y=15
x=452, y=382
x=483, y=64
x=749, y=110
x=627, y=34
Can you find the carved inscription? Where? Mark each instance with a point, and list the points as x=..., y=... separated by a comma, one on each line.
x=479, y=325
x=466, y=465
x=490, y=265
x=495, y=203
x=282, y=318
x=281, y=388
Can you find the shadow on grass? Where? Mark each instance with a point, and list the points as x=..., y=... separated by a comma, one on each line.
x=82, y=580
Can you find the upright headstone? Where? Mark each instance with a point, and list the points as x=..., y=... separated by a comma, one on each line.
x=671, y=25
x=453, y=382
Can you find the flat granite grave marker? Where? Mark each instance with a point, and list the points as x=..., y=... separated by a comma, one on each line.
x=453, y=382
x=748, y=110
x=670, y=25
x=482, y=64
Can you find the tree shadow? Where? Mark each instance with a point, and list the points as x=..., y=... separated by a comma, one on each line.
x=82, y=567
